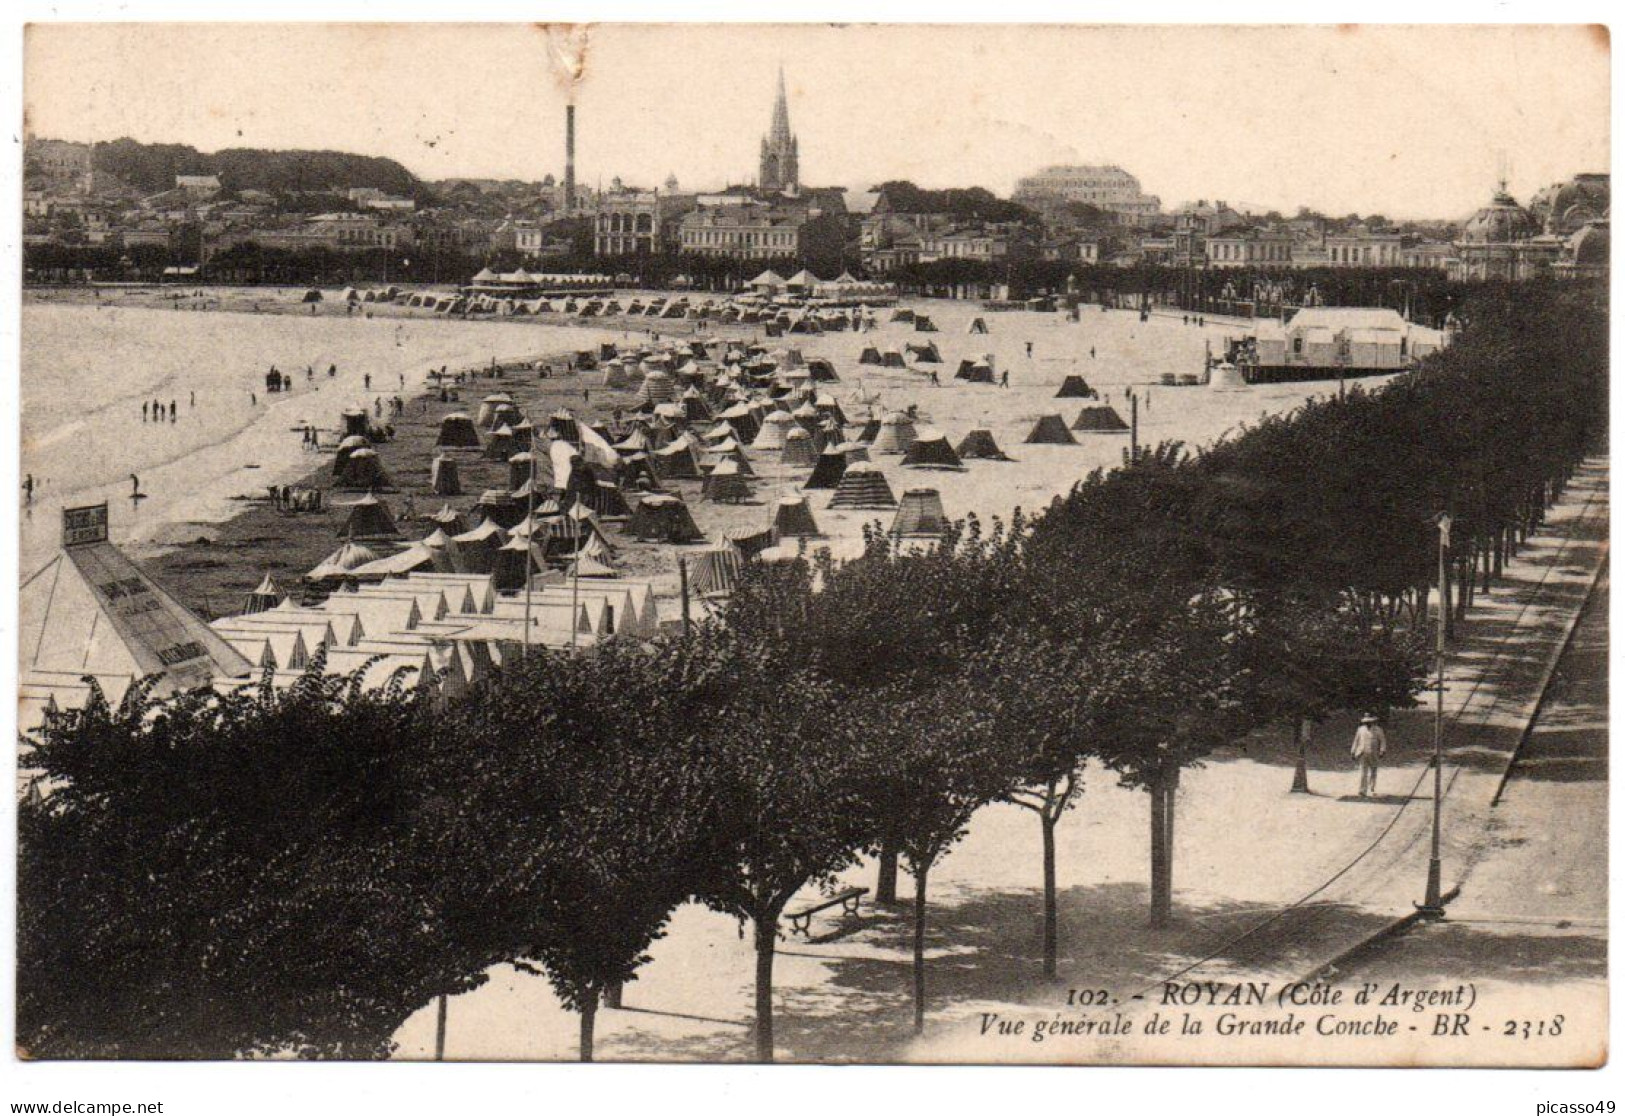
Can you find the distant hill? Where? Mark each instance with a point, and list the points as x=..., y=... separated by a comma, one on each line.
x=152, y=167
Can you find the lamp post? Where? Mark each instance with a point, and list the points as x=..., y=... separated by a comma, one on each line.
x=1432, y=906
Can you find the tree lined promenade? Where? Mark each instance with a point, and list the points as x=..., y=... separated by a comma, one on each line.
x=298, y=872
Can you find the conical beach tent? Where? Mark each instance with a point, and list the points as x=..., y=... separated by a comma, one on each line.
x=363, y=471
x=725, y=484
x=662, y=517
x=980, y=444
x=932, y=451
x=798, y=449
x=476, y=551
x=516, y=561
x=793, y=519
x=449, y=520
x=895, y=435
x=1100, y=420
x=863, y=486
x=457, y=432
x=827, y=472
x=488, y=409
x=1075, y=387
x=369, y=518
x=338, y=565
x=772, y=434
x=1051, y=430
x=500, y=447
x=715, y=570
x=920, y=514
x=977, y=325
x=443, y=477
x=677, y=461
x=265, y=596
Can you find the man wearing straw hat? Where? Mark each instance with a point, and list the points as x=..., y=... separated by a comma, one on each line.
x=1370, y=743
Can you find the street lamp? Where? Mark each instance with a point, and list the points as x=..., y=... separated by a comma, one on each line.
x=1432, y=905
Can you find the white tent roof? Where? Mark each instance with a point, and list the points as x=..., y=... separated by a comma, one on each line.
x=92, y=610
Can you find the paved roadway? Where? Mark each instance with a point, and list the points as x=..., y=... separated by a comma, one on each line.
x=1530, y=926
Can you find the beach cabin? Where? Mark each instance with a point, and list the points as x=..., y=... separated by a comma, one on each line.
x=1325, y=342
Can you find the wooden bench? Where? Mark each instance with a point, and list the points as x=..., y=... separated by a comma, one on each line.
x=847, y=900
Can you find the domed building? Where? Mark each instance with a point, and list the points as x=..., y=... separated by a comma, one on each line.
x=1504, y=241
x=1565, y=208
x=1585, y=254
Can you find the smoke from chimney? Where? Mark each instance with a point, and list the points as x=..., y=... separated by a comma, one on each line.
x=569, y=158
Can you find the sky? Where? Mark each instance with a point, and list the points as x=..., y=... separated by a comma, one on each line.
x=1408, y=122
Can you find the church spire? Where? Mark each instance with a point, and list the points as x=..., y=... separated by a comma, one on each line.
x=779, y=169
x=781, y=113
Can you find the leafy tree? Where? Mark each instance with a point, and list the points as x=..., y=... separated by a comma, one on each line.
x=945, y=756
x=594, y=804
x=217, y=876
x=789, y=767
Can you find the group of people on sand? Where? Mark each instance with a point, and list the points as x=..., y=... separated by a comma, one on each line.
x=153, y=411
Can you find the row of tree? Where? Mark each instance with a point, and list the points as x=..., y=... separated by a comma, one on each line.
x=300, y=871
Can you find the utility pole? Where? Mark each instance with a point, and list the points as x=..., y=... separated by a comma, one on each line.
x=1432, y=906
x=530, y=541
x=682, y=583
x=1134, y=427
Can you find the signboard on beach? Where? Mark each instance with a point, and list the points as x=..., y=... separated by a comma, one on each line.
x=82, y=526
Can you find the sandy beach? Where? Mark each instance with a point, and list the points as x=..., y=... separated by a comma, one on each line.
x=92, y=359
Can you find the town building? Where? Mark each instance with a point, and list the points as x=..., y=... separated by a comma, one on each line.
x=198, y=185
x=1564, y=208
x=982, y=243
x=1585, y=254
x=58, y=159
x=780, y=164
x=1108, y=188
x=1248, y=247
x=1365, y=248
x=639, y=222
x=1502, y=241
x=742, y=228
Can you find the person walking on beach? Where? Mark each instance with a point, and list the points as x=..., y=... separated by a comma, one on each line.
x=135, y=487
x=144, y=406
x=332, y=370
x=1004, y=377
x=28, y=489
x=366, y=381
x=192, y=399
x=1029, y=350
x=253, y=400
x=171, y=410
x=1370, y=744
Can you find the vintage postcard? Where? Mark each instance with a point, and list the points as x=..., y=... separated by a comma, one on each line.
x=814, y=544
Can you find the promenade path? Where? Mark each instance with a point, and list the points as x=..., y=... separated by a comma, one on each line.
x=1269, y=885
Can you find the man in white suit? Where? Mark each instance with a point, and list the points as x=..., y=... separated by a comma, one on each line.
x=1370, y=744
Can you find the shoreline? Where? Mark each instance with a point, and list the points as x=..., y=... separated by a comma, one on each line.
x=196, y=491
x=212, y=560
x=221, y=550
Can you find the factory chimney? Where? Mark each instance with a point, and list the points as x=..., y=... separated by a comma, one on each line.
x=569, y=158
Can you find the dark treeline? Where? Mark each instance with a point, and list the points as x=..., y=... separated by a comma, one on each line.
x=299, y=872
x=151, y=168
